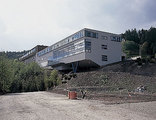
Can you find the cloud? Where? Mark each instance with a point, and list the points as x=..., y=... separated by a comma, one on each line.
x=26, y=23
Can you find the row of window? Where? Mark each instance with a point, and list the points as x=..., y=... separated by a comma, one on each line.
x=63, y=42
x=77, y=35
x=75, y=48
x=116, y=38
x=113, y=38
x=95, y=35
x=91, y=34
x=28, y=53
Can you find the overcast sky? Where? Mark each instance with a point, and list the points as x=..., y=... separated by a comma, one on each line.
x=27, y=23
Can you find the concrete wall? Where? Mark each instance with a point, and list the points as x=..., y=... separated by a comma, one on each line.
x=113, y=50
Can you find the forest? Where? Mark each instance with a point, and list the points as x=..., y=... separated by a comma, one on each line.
x=14, y=54
x=140, y=43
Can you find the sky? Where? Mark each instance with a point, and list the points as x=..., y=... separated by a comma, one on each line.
x=27, y=23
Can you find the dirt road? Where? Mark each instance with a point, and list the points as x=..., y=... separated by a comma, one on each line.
x=50, y=106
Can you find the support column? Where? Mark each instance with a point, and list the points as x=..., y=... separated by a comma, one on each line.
x=74, y=66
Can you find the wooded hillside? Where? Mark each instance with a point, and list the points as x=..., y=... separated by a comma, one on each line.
x=141, y=42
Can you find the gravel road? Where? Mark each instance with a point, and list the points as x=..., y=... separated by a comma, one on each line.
x=51, y=106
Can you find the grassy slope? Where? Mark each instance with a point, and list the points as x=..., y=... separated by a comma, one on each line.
x=124, y=75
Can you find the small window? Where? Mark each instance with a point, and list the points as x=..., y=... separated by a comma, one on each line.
x=88, y=34
x=103, y=46
x=94, y=35
x=104, y=57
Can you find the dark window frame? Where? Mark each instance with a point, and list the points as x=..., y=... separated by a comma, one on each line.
x=104, y=58
x=104, y=47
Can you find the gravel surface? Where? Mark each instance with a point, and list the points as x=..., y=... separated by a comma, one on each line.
x=51, y=106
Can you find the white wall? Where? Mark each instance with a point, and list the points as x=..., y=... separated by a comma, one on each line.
x=113, y=50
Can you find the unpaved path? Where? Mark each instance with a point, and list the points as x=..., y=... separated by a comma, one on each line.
x=51, y=106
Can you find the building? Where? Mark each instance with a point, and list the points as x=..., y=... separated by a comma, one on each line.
x=86, y=48
x=30, y=56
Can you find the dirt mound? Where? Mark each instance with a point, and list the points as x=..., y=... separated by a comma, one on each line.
x=148, y=69
x=117, y=80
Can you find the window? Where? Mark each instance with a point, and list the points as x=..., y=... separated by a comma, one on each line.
x=87, y=46
x=91, y=34
x=72, y=49
x=77, y=35
x=116, y=38
x=104, y=57
x=88, y=34
x=103, y=46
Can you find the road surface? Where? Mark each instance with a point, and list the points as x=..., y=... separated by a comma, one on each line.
x=51, y=106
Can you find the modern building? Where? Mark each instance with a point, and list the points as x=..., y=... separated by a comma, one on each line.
x=30, y=56
x=86, y=48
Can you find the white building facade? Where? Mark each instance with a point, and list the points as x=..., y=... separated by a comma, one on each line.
x=86, y=48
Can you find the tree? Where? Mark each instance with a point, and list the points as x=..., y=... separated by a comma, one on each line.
x=141, y=38
x=53, y=77
x=151, y=39
x=131, y=35
x=130, y=48
x=16, y=76
x=144, y=49
x=5, y=75
x=52, y=80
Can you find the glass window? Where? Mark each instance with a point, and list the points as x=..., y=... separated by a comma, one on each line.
x=88, y=34
x=104, y=46
x=74, y=48
x=104, y=57
x=91, y=34
x=87, y=46
x=116, y=38
x=94, y=35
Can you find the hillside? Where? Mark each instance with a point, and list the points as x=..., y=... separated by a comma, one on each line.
x=13, y=55
x=125, y=75
x=116, y=79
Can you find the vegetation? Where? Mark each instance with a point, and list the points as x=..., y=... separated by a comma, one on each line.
x=5, y=75
x=142, y=42
x=13, y=55
x=16, y=76
x=52, y=80
x=130, y=48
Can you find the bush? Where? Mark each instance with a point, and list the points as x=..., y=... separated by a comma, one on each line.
x=5, y=75
x=16, y=76
x=52, y=80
